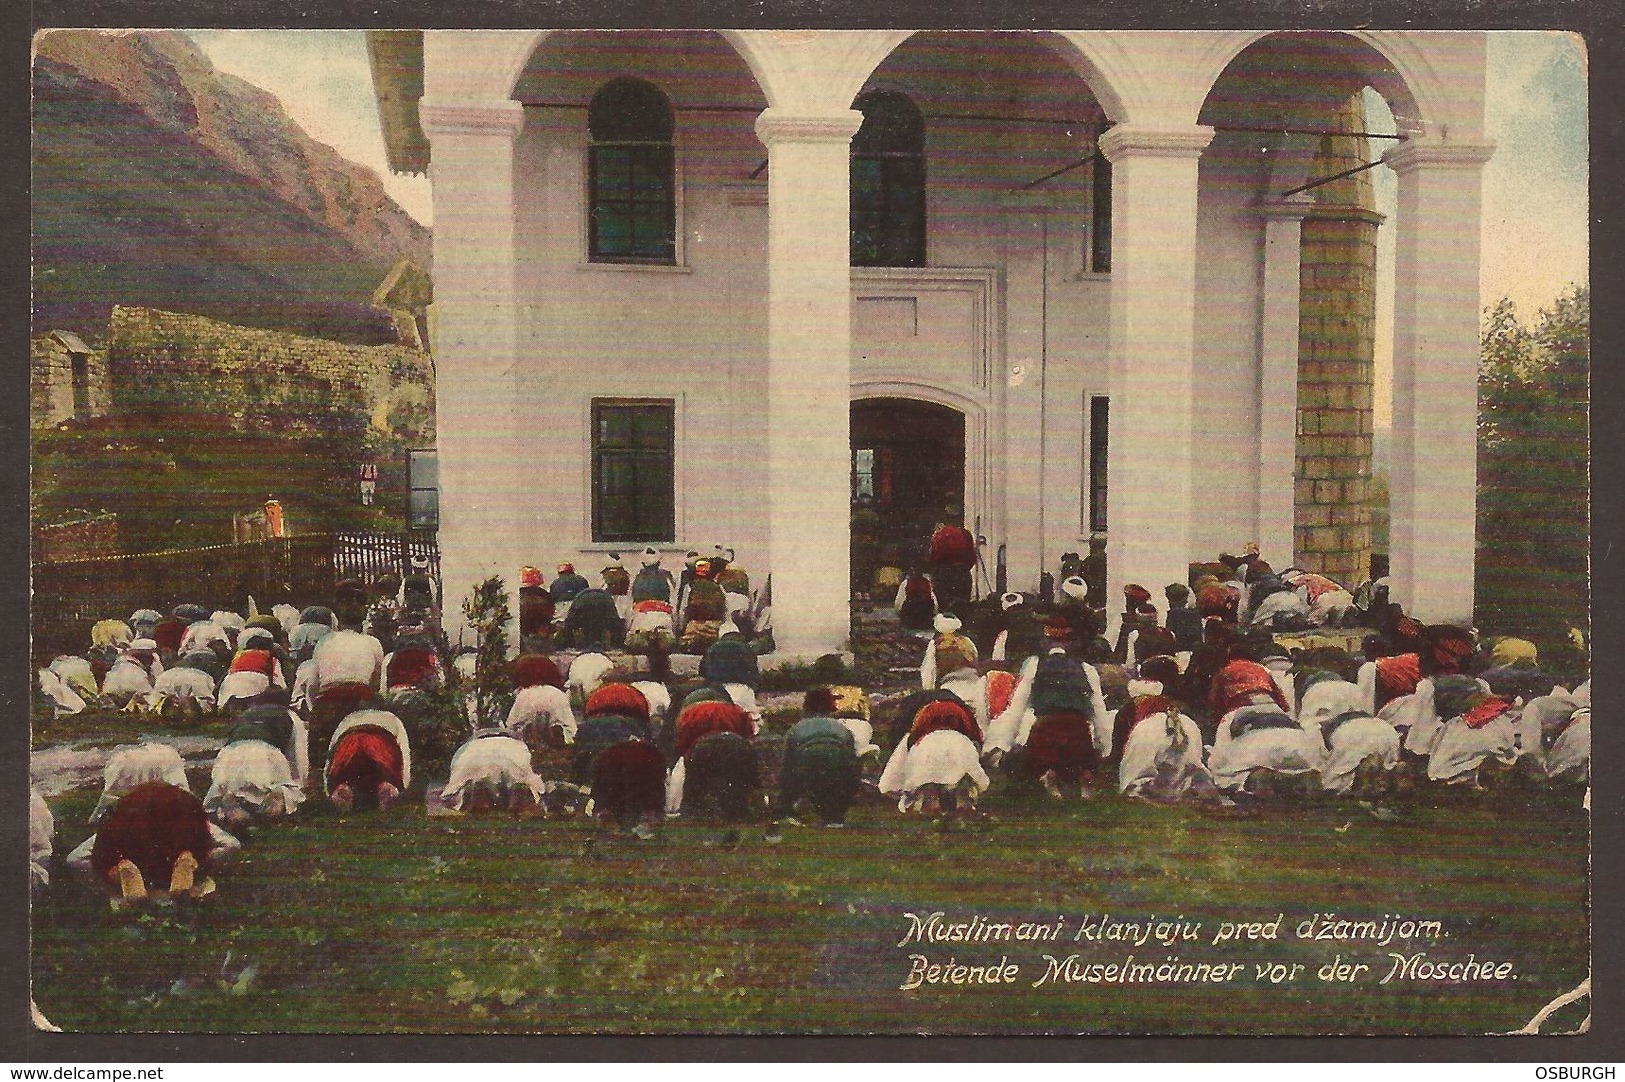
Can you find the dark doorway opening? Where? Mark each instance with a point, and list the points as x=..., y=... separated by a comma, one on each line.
x=908, y=474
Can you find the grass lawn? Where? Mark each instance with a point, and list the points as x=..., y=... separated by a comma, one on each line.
x=395, y=922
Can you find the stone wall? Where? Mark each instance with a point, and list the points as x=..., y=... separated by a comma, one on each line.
x=81, y=540
x=240, y=377
x=1336, y=346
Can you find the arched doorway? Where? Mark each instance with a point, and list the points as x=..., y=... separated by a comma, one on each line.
x=1303, y=121
x=908, y=474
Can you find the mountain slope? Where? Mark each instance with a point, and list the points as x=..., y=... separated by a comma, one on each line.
x=159, y=181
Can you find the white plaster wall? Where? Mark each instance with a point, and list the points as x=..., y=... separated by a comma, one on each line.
x=698, y=333
x=695, y=333
x=663, y=334
x=980, y=214
x=1225, y=409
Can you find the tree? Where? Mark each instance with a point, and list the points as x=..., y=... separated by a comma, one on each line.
x=487, y=612
x=1533, y=471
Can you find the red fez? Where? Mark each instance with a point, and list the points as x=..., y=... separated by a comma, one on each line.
x=1137, y=595
x=530, y=576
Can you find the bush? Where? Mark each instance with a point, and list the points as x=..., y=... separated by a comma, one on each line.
x=827, y=670
x=487, y=612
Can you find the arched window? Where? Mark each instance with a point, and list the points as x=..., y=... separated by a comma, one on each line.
x=632, y=215
x=888, y=182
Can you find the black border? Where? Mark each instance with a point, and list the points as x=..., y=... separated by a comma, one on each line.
x=1602, y=22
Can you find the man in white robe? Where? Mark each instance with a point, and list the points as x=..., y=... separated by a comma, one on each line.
x=251, y=779
x=936, y=765
x=184, y=690
x=1262, y=738
x=492, y=770
x=586, y=676
x=1162, y=760
x=1479, y=730
x=238, y=690
x=128, y=679
x=64, y=700
x=41, y=831
x=131, y=765
x=540, y=709
x=1336, y=710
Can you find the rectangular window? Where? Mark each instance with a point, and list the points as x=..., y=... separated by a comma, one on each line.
x=888, y=210
x=633, y=474
x=1100, y=227
x=633, y=206
x=863, y=474
x=423, y=489
x=1098, y=435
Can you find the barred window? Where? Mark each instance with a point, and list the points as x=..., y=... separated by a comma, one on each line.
x=1100, y=229
x=1098, y=443
x=888, y=182
x=633, y=475
x=631, y=186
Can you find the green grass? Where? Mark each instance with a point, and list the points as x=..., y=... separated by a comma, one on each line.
x=394, y=922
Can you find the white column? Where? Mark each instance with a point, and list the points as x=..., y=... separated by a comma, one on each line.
x=1025, y=484
x=1278, y=377
x=1151, y=502
x=809, y=382
x=472, y=173
x=1434, y=473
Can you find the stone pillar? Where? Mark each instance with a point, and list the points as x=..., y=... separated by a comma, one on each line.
x=1152, y=502
x=1434, y=478
x=1278, y=379
x=1335, y=381
x=809, y=382
x=1337, y=351
x=475, y=337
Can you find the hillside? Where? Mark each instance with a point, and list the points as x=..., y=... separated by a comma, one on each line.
x=160, y=182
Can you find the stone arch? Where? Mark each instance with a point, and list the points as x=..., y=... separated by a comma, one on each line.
x=492, y=70
x=1088, y=56
x=1408, y=83
x=1326, y=373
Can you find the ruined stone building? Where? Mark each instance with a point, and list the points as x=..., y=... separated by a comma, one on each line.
x=67, y=379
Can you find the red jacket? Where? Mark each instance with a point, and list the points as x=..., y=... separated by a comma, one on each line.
x=700, y=720
x=1238, y=681
x=953, y=546
x=150, y=826
x=260, y=661
x=1397, y=676
x=943, y=715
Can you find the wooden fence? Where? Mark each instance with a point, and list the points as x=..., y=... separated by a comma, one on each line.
x=71, y=595
x=371, y=556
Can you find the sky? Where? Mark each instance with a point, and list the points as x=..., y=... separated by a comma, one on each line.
x=1535, y=211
